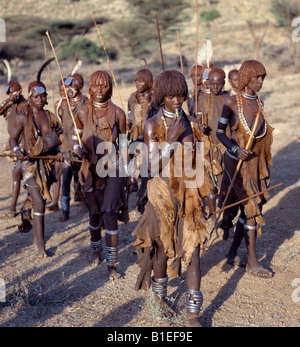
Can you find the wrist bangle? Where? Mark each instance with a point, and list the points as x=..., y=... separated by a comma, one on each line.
x=16, y=148
x=233, y=149
x=165, y=152
x=75, y=147
x=126, y=169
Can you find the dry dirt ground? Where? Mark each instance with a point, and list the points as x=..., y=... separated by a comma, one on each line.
x=67, y=290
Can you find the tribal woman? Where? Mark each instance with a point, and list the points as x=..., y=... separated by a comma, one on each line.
x=100, y=121
x=41, y=131
x=173, y=225
x=10, y=108
x=239, y=112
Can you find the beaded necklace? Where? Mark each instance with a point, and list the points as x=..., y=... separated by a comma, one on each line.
x=253, y=113
x=169, y=115
x=239, y=99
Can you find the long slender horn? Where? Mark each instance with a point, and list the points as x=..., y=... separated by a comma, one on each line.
x=6, y=63
x=42, y=68
x=77, y=67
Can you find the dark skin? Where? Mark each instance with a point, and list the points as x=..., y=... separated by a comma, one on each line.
x=16, y=98
x=37, y=102
x=179, y=131
x=197, y=79
x=142, y=86
x=216, y=82
x=234, y=81
x=144, y=93
x=58, y=165
x=74, y=95
x=230, y=111
x=100, y=93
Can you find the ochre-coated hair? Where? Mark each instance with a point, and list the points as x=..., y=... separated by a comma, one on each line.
x=14, y=85
x=249, y=69
x=231, y=72
x=193, y=70
x=169, y=83
x=79, y=78
x=217, y=70
x=95, y=80
x=144, y=75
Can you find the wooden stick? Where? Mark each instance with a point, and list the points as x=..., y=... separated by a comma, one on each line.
x=49, y=157
x=248, y=146
x=62, y=80
x=48, y=67
x=180, y=56
x=161, y=53
x=246, y=199
x=196, y=70
x=107, y=58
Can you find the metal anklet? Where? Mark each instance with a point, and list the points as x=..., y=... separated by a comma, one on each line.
x=193, y=305
x=96, y=246
x=111, y=255
x=159, y=286
x=248, y=227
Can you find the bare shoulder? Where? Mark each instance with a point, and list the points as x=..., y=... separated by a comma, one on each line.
x=21, y=118
x=152, y=122
x=120, y=113
x=230, y=101
x=82, y=112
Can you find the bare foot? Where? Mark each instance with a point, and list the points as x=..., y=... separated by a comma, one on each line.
x=192, y=320
x=53, y=207
x=96, y=261
x=166, y=310
x=113, y=273
x=259, y=271
x=42, y=253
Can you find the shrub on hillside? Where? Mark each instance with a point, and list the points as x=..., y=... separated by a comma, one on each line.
x=210, y=15
x=85, y=48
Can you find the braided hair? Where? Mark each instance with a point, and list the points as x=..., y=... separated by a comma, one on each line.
x=169, y=83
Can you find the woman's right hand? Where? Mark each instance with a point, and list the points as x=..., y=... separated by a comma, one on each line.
x=243, y=153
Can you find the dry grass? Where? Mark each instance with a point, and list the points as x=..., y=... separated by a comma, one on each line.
x=66, y=290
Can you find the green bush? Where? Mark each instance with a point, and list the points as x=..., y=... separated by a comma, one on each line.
x=84, y=47
x=130, y=36
x=25, y=36
x=285, y=11
x=209, y=15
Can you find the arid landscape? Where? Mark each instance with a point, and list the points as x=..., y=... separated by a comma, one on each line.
x=67, y=290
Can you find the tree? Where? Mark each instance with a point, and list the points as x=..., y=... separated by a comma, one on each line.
x=257, y=39
x=285, y=11
x=170, y=14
